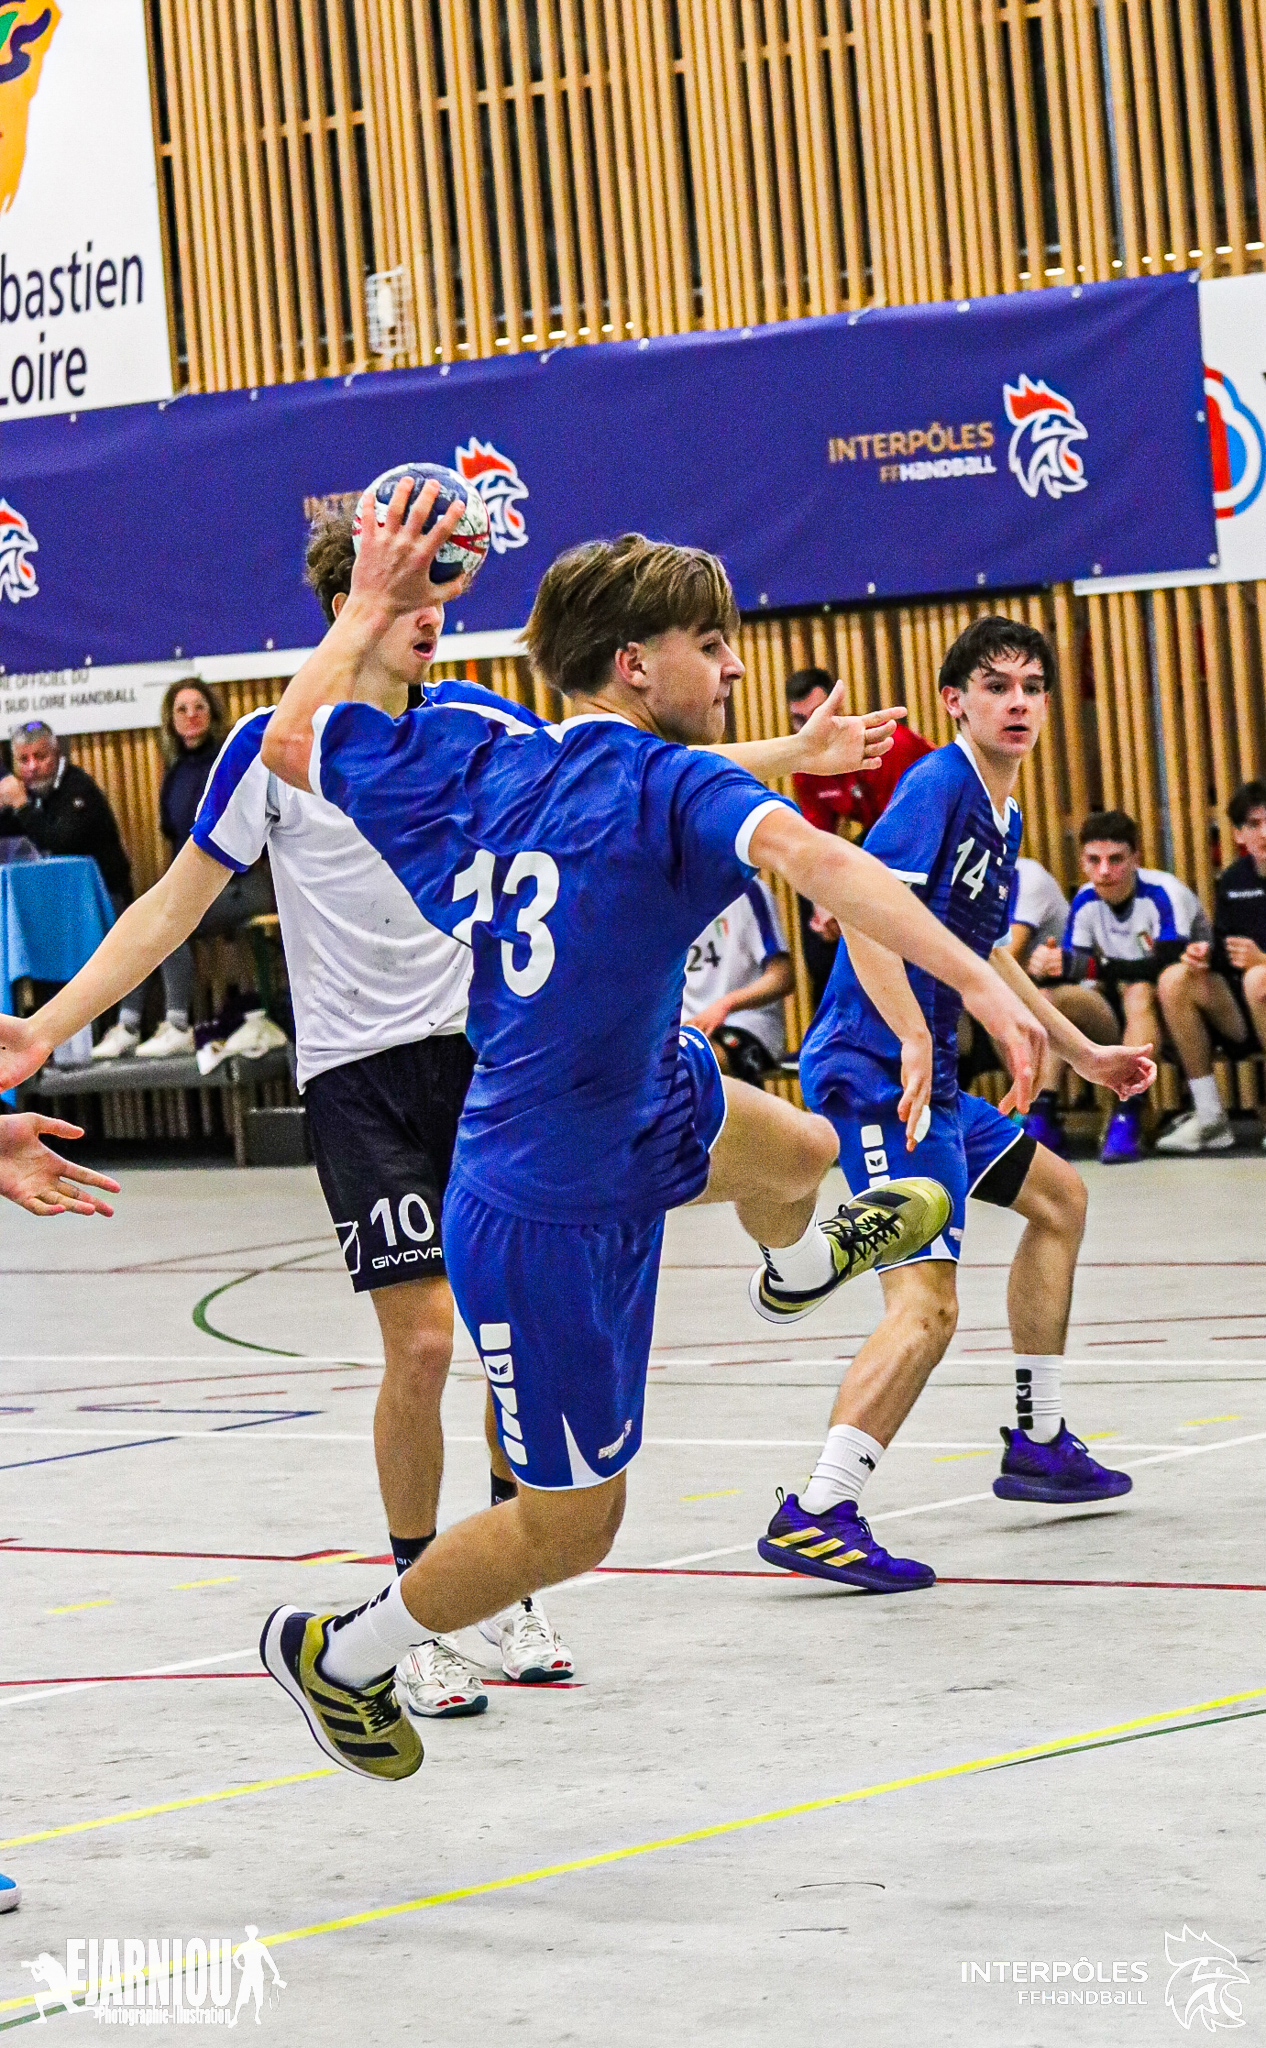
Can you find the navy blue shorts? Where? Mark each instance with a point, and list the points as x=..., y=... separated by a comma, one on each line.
x=962, y=1146
x=563, y=1313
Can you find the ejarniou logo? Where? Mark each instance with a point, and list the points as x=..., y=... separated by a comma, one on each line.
x=17, y=574
x=134, y=1983
x=26, y=30
x=1199, y=1988
x=1042, y=456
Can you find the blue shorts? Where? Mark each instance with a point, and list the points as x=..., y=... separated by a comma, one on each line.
x=563, y=1314
x=961, y=1146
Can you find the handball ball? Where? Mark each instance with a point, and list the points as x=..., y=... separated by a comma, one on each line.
x=465, y=548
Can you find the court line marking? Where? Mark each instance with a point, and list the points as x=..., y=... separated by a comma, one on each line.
x=112, y=1820
x=63, y=1689
x=701, y=1443
x=1177, y=1718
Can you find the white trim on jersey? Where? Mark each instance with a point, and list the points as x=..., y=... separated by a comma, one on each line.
x=743, y=837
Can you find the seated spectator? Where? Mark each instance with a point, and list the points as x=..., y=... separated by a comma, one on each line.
x=836, y=803
x=1216, y=994
x=1124, y=927
x=191, y=732
x=740, y=965
x=60, y=809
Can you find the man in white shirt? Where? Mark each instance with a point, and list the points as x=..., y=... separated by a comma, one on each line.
x=740, y=967
x=1125, y=926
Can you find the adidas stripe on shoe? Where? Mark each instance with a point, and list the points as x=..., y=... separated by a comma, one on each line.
x=362, y=1729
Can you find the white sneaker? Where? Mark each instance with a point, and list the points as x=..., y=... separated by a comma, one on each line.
x=169, y=1042
x=435, y=1683
x=532, y=1653
x=255, y=1037
x=1194, y=1135
x=117, y=1041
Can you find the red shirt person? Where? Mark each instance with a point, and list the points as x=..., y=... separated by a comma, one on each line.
x=826, y=800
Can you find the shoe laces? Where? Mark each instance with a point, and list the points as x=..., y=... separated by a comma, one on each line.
x=378, y=1705
x=445, y=1665
x=872, y=1226
x=530, y=1626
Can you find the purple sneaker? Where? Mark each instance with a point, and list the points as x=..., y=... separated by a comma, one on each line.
x=1059, y=1472
x=1042, y=1125
x=1121, y=1140
x=838, y=1545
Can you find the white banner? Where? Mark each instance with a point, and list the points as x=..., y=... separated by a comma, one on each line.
x=128, y=698
x=83, y=303
x=1233, y=336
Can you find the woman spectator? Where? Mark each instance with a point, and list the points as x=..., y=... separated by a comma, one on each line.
x=190, y=733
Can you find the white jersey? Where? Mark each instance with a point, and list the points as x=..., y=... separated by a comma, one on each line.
x=1162, y=911
x=366, y=969
x=734, y=949
x=1039, y=903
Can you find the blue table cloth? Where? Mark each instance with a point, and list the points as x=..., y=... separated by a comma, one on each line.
x=53, y=916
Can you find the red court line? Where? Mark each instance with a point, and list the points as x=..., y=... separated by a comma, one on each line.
x=7, y=1545
x=659, y=1571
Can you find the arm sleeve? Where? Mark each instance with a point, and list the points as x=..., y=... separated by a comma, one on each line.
x=232, y=820
x=700, y=813
x=768, y=922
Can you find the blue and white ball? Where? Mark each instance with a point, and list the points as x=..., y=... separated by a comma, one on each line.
x=463, y=552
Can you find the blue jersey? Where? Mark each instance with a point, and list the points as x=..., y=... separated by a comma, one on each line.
x=942, y=835
x=578, y=862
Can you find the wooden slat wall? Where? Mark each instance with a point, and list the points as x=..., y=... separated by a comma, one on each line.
x=567, y=170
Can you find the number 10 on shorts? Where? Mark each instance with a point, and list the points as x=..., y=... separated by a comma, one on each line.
x=416, y=1222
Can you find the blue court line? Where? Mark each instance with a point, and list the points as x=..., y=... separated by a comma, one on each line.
x=142, y=1442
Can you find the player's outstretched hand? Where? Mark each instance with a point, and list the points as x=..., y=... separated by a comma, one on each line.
x=41, y=1182
x=916, y=1085
x=393, y=567
x=1018, y=1036
x=22, y=1053
x=1126, y=1069
x=829, y=743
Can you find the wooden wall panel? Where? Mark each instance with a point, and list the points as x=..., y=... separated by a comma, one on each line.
x=565, y=171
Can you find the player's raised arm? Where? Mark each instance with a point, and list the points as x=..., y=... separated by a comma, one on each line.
x=861, y=892
x=828, y=743
x=390, y=581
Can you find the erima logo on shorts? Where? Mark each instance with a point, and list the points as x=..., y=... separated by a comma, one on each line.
x=494, y=1347
x=609, y=1450
x=874, y=1157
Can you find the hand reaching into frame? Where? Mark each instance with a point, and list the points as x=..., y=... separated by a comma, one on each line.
x=42, y=1182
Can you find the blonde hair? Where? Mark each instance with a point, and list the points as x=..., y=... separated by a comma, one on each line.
x=600, y=597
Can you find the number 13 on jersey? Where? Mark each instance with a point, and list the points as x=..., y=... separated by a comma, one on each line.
x=477, y=880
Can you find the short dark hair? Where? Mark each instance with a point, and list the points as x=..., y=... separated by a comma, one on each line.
x=802, y=682
x=1251, y=796
x=330, y=559
x=986, y=638
x=597, y=598
x=1118, y=825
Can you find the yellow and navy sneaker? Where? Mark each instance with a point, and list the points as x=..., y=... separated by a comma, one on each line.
x=838, y=1545
x=881, y=1228
x=364, y=1730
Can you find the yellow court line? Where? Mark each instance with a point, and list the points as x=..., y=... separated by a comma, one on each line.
x=728, y=1493
x=610, y=1856
x=755, y=1820
x=114, y=1820
x=80, y=1606
x=195, y=1585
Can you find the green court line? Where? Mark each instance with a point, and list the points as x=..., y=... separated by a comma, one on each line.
x=208, y=1329
x=1112, y=1741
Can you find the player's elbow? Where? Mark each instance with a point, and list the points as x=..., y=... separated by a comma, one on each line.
x=286, y=753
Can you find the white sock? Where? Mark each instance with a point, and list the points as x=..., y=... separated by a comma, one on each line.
x=1205, y=1097
x=848, y=1458
x=804, y=1265
x=1039, y=1402
x=372, y=1639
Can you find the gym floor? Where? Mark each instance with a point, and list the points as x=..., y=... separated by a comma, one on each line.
x=767, y=1810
